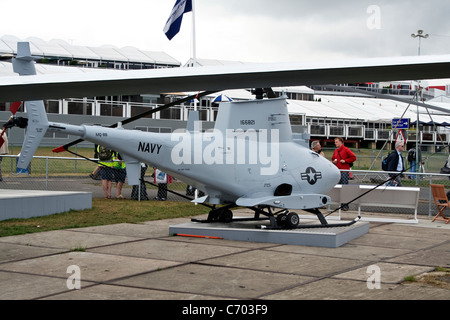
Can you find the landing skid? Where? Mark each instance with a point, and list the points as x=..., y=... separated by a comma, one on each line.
x=224, y=214
x=281, y=219
x=323, y=222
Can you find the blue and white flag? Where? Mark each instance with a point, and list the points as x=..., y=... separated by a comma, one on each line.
x=173, y=24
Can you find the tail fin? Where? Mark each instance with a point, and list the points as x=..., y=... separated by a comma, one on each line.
x=37, y=127
x=23, y=64
x=268, y=114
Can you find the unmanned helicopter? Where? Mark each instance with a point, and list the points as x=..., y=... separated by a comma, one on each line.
x=249, y=159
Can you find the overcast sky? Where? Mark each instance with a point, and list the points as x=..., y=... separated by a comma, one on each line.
x=243, y=30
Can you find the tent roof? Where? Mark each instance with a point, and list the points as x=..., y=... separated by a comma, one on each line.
x=61, y=49
x=366, y=109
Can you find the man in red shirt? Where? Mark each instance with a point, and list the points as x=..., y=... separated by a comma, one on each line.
x=342, y=158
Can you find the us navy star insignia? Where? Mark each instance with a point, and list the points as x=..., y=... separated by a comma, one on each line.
x=311, y=175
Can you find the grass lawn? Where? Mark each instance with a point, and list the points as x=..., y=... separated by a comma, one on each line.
x=103, y=212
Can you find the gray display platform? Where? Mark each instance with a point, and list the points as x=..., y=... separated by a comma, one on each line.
x=35, y=203
x=250, y=231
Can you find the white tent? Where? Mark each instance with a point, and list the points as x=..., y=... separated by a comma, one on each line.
x=57, y=48
x=366, y=109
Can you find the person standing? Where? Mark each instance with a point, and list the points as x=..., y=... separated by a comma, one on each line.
x=106, y=162
x=343, y=158
x=95, y=175
x=162, y=179
x=396, y=163
x=120, y=173
x=3, y=150
x=135, y=195
x=316, y=147
x=414, y=160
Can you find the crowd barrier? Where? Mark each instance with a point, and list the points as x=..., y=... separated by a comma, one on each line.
x=73, y=174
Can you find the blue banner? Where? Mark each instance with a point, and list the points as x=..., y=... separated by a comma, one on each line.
x=173, y=24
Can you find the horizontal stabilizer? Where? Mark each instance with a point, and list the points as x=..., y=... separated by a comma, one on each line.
x=133, y=168
x=200, y=200
x=293, y=201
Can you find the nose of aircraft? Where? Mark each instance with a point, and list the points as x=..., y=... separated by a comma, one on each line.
x=331, y=174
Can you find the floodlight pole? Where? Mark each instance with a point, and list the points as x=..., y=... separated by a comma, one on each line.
x=419, y=35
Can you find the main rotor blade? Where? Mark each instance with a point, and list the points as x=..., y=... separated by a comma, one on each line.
x=132, y=82
x=140, y=115
x=15, y=106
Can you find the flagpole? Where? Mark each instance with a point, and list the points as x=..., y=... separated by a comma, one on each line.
x=194, y=49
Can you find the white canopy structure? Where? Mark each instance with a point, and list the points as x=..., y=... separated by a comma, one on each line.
x=366, y=109
x=60, y=49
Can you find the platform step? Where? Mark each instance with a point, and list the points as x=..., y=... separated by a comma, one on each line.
x=35, y=203
x=250, y=231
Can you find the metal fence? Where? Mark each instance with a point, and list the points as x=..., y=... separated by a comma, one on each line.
x=422, y=181
x=75, y=174
x=371, y=159
x=79, y=174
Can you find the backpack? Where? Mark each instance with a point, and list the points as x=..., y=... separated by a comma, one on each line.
x=411, y=155
x=384, y=163
x=104, y=154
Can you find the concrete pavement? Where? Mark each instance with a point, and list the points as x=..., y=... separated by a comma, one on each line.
x=141, y=261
